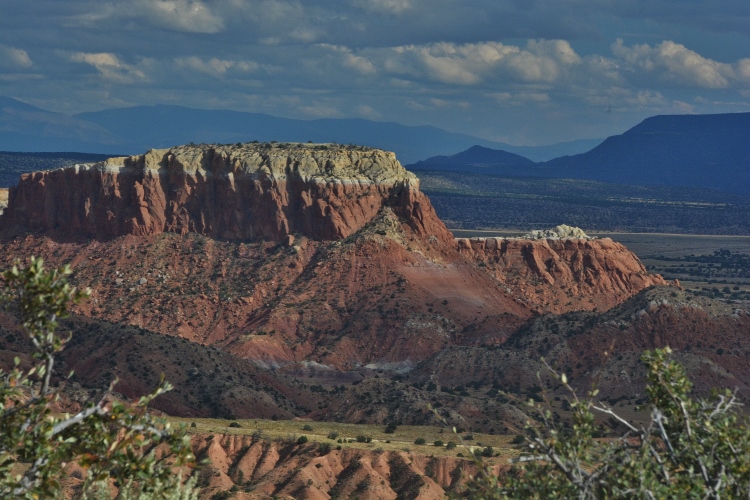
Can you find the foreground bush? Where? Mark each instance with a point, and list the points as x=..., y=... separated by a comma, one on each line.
x=109, y=440
x=689, y=448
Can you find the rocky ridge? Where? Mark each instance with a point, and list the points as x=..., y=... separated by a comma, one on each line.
x=240, y=192
x=563, y=272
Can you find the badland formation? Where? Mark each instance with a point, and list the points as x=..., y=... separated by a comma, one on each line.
x=316, y=281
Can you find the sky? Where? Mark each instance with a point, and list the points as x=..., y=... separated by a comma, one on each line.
x=525, y=72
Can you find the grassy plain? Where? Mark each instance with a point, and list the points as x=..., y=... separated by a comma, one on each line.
x=401, y=440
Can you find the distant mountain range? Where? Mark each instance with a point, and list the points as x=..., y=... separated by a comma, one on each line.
x=710, y=151
x=134, y=130
x=706, y=151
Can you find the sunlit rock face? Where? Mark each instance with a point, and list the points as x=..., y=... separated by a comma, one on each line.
x=238, y=192
x=565, y=271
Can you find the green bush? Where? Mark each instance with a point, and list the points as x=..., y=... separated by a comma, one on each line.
x=302, y=440
x=438, y=443
x=420, y=441
x=307, y=427
x=390, y=428
x=117, y=440
x=688, y=448
x=451, y=445
x=333, y=435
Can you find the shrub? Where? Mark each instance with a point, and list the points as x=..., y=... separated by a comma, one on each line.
x=450, y=445
x=235, y=425
x=302, y=440
x=117, y=440
x=333, y=435
x=390, y=428
x=438, y=443
x=307, y=427
x=324, y=448
x=420, y=441
x=688, y=448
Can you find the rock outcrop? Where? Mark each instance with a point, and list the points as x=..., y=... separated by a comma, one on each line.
x=3, y=199
x=561, y=232
x=273, y=469
x=239, y=192
x=561, y=274
x=341, y=260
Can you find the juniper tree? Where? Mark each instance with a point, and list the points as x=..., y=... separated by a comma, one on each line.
x=109, y=439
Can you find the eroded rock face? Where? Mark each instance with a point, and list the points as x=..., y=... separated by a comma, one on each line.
x=241, y=192
x=561, y=232
x=558, y=275
x=269, y=469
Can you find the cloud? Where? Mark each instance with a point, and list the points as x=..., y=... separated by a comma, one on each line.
x=11, y=57
x=191, y=16
x=368, y=112
x=350, y=60
x=320, y=110
x=520, y=98
x=384, y=6
x=110, y=67
x=214, y=66
x=675, y=63
x=473, y=63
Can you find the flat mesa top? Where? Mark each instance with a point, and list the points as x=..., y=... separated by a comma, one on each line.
x=305, y=161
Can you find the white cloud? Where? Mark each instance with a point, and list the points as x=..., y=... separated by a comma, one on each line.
x=384, y=6
x=368, y=112
x=350, y=60
x=110, y=67
x=470, y=64
x=214, y=66
x=184, y=15
x=743, y=70
x=11, y=57
x=676, y=63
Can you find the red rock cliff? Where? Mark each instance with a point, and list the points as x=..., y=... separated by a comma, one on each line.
x=559, y=275
x=248, y=192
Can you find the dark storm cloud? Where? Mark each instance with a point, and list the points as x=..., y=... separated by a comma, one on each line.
x=532, y=71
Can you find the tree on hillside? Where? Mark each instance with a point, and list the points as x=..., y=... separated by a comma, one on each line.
x=689, y=448
x=112, y=441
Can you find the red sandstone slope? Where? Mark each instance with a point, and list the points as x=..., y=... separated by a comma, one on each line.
x=272, y=469
x=341, y=259
x=559, y=275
